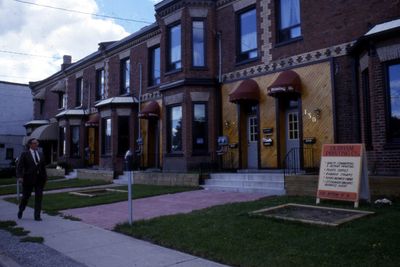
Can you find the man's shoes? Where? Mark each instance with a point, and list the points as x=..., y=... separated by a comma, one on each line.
x=19, y=214
x=38, y=219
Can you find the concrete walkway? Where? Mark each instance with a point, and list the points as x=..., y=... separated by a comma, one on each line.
x=98, y=247
x=108, y=215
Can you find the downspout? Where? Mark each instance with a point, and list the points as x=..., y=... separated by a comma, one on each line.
x=219, y=37
x=140, y=93
x=218, y=101
x=140, y=143
x=356, y=108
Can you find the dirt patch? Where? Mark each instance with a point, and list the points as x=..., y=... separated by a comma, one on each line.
x=312, y=214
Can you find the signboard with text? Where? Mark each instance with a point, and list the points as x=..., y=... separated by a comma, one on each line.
x=343, y=173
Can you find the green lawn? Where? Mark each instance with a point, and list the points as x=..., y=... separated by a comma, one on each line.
x=227, y=234
x=53, y=185
x=10, y=181
x=52, y=203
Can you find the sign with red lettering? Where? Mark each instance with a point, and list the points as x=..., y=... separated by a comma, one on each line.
x=343, y=173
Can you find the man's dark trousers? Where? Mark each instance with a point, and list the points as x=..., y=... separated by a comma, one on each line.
x=26, y=194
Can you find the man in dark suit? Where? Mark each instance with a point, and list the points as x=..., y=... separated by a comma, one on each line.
x=31, y=170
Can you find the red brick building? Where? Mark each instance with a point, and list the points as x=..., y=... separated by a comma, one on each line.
x=245, y=84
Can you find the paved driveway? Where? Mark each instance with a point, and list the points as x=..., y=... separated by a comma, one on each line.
x=107, y=216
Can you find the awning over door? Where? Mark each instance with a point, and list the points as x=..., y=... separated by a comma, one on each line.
x=93, y=120
x=287, y=82
x=247, y=91
x=150, y=111
x=48, y=132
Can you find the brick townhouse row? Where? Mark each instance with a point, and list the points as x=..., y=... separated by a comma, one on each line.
x=238, y=84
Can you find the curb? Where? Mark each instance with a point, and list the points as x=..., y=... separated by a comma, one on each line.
x=6, y=261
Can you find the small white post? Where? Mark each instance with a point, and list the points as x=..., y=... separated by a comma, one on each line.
x=130, y=201
x=18, y=191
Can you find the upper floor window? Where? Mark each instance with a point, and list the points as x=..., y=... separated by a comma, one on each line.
x=62, y=100
x=155, y=68
x=198, y=51
x=100, y=84
x=125, y=76
x=247, y=35
x=174, y=48
x=175, y=129
x=41, y=107
x=393, y=74
x=289, y=20
x=79, y=91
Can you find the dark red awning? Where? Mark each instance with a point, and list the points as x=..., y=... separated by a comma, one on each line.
x=150, y=111
x=287, y=82
x=93, y=120
x=247, y=91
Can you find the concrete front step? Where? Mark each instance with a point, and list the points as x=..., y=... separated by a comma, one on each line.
x=269, y=191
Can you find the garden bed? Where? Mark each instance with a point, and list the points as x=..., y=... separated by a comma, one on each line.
x=311, y=214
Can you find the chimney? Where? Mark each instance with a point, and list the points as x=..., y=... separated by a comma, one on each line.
x=67, y=61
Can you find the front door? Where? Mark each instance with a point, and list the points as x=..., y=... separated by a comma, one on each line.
x=252, y=140
x=292, y=138
x=93, y=148
x=152, y=144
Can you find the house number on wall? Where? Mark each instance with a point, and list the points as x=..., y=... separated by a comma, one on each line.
x=312, y=115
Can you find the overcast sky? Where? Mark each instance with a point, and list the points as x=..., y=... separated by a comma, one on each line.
x=43, y=35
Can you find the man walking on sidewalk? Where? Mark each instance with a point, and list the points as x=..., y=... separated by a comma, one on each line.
x=31, y=171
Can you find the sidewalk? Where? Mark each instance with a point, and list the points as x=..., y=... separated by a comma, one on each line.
x=108, y=215
x=94, y=246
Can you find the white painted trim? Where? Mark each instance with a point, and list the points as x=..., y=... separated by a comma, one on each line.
x=173, y=18
x=198, y=12
x=154, y=41
x=243, y=4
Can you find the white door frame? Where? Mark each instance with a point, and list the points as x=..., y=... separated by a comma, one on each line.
x=252, y=142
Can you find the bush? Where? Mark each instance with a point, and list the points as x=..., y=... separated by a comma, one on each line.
x=66, y=166
x=51, y=166
x=7, y=172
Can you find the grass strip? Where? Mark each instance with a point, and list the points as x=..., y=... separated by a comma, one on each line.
x=18, y=231
x=227, y=234
x=53, y=203
x=70, y=183
x=11, y=226
x=33, y=239
x=13, y=181
x=7, y=224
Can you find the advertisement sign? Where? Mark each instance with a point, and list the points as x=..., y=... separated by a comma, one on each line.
x=343, y=173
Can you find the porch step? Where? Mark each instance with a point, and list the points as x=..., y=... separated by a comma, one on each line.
x=268, y=183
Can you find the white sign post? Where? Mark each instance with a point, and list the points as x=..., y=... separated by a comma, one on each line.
x=343, y=173
x=128, y=167
x=130, y=201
